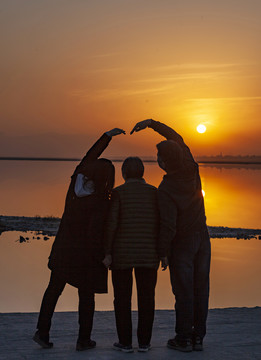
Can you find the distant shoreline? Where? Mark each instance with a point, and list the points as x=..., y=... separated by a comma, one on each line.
x=146, y=160
x=49, y=226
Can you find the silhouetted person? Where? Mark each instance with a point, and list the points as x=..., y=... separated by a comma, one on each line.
x=77, y=251
x=184, y=240
x=131, y=243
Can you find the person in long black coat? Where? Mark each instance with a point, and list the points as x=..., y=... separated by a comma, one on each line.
x=77, y=252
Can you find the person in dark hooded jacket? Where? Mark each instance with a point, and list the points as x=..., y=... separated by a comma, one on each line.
x=77, y=252
x=184, y=241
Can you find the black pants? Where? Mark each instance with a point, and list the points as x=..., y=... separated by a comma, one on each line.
x=189, y=273
x=50, y=298
x=122, y=283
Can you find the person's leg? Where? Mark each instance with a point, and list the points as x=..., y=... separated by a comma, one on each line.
x=201, y=285
x=146, y=279
x=182, y=280
x=86, y=312
x=51, y=295
x=122, y=286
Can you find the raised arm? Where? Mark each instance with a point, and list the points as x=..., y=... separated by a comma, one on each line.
x=165, y=131
x=160, y=128
x=97, y=149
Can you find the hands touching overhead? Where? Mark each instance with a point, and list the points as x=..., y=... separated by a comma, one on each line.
x=141, y=125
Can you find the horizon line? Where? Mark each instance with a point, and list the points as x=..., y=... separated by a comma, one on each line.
x=208, y=159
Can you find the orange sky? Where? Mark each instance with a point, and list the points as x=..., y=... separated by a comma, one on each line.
x=72, y=69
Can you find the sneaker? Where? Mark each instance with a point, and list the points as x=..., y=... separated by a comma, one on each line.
x=124, y=348
x=85, y=345
x=197, y=343
x=144, y=348
x=43, y=341
x=181, y=345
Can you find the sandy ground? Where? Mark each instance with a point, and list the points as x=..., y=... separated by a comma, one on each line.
x=233, y=333
x=49, y=225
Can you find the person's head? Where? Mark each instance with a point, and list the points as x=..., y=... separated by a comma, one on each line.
x=102, y=173
x=170, y=155
x=132, y=168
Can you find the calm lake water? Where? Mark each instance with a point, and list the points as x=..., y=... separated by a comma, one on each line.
x=29, y=188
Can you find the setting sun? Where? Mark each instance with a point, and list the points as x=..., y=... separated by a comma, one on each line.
x=201, y=128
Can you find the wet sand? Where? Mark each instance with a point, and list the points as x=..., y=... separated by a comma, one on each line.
x=233, y=334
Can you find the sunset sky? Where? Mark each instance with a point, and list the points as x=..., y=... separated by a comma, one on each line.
x=72, y=69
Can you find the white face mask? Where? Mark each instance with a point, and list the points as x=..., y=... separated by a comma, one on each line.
x=83, y=186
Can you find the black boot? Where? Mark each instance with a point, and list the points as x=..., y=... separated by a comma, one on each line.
x=82, y=345
x=179, y=344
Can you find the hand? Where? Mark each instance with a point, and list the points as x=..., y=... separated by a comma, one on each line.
x=107, y=261
x=115, y=132
x=164, y=263
x=141, y=125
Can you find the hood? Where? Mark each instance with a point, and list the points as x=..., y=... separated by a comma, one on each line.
x=172, y=155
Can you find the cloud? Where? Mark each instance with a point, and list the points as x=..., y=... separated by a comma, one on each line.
x=164, y=79
x=105, y=55
x=106, y=94
x=186, y=76
x=102, y=70
x=230, y=99
x=197, y=66
x=194, y=71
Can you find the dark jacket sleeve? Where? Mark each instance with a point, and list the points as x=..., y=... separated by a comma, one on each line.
x=112, y=222
x=171, y=134
x=95, y=151
x=168, y=218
